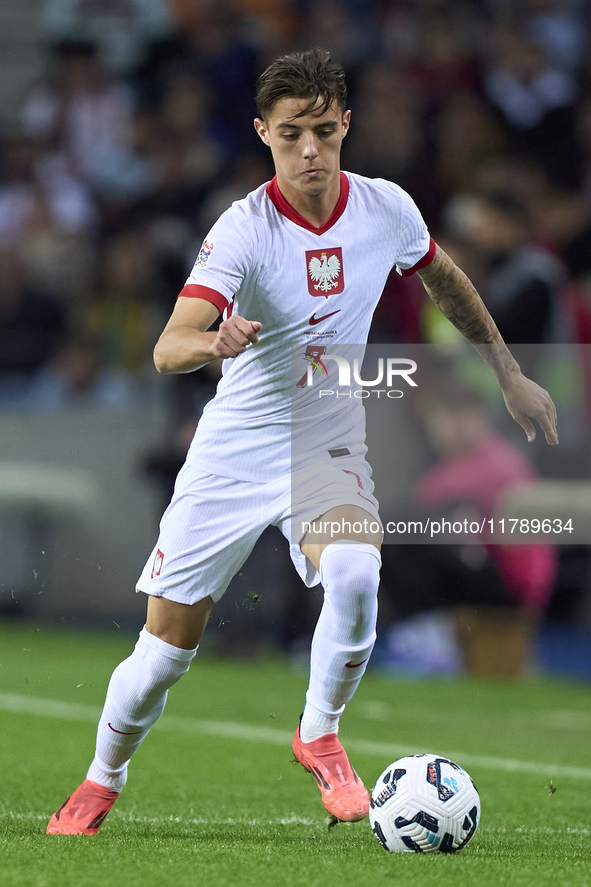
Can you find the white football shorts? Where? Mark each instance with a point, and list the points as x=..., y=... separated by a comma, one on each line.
x=212, y=524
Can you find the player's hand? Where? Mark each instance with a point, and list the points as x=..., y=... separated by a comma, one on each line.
x=235, y=335
x=526, y=400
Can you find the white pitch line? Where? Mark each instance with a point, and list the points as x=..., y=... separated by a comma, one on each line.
x=292, y=819
x=72, y=711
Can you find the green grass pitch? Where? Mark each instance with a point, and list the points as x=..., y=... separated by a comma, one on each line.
x=214, y=798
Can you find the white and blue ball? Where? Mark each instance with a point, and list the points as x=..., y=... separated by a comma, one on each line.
x=424, y=803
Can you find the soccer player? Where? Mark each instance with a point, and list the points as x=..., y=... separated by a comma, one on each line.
x=300, y=262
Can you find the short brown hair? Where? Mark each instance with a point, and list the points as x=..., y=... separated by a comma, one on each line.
x=302, y=75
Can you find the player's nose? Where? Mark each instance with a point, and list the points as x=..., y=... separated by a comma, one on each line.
x=310, y=146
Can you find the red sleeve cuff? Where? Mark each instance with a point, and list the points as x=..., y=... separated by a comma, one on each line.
x=422, y=263
x=196, y=291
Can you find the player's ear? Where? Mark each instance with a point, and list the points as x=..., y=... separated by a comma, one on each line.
x=261, y=128
x=346, y=122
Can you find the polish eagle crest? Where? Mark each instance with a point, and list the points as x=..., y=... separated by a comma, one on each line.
x=324, y=272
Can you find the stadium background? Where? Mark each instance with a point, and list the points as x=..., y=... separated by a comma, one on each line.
x=126, y=130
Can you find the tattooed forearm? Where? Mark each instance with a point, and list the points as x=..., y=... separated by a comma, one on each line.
x=458, y=300
x=456, y=297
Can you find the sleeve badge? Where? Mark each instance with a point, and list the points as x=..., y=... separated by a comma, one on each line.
x=204, y=254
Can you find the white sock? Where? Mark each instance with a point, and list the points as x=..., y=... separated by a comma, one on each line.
x=136, y=697
x=344, y=635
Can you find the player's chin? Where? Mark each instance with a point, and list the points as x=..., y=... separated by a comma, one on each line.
x=313, y=187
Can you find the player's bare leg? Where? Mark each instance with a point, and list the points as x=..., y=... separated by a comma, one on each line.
x=136, y=697
x=178, y=624
x=341, y=647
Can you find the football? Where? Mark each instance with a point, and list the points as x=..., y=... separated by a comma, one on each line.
x=424, y=803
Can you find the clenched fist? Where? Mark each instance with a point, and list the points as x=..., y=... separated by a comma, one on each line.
x=234, y=336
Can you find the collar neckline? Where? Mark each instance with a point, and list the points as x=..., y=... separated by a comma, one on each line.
x=287, y=210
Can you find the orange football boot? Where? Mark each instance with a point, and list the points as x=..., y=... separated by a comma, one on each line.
x=84, y=811
x=343, y=793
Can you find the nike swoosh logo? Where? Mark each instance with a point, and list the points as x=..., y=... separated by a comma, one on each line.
x=123, y=733
x=356, y=664
x=314, y=320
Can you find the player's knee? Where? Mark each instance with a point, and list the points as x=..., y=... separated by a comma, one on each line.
x=351, y=572
x=355, y=565
x=165, y=662
x=151, y=670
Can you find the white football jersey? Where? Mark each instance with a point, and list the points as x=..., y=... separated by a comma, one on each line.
x=311, y=289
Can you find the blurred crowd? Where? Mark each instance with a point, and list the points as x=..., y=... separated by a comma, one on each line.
x=139, y=134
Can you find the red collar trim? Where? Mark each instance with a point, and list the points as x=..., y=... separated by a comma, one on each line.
x=287, y=210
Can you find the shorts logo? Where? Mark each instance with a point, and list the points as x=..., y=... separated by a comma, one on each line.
x=325, y=271
x=359, y=484
x=204, y=254
x=157, y=565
